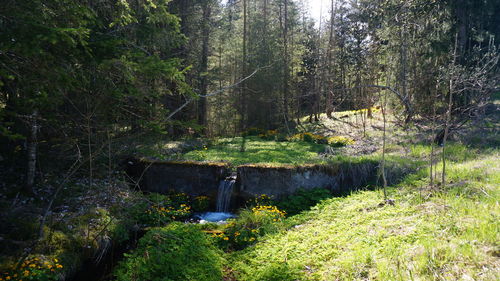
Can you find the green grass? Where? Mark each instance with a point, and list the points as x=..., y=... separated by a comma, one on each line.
x=248, y=150
x=429, y=234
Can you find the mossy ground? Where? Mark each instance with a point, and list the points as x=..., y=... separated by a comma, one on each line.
x=253, y=149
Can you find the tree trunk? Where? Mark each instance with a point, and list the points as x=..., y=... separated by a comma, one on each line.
x=329, y=97
x=202, y=104
x=32, y=151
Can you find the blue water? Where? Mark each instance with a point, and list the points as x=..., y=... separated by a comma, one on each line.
x=215, y=216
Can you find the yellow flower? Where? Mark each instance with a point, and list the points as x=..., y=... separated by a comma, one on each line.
x=251, y=239
x=32, y=265
x=59, y=266
x=7, y=278
x=226, y=238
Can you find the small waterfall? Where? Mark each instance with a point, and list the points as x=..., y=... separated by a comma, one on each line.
x=224, y=194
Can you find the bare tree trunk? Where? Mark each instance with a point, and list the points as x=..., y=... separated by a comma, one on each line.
x=448, y=114
x=382, y=165
x=243, y=67
x=202, y=104
x=286, y=69
x=32, y=151
x=329, y=97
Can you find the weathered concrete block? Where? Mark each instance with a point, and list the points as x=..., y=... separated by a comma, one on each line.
x=193, y=178
x=285, y=180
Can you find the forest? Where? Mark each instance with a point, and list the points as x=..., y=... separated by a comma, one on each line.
x=361, y=138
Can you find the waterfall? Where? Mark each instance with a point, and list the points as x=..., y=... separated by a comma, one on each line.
x=224, y=194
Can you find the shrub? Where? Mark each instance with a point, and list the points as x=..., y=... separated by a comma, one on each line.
x=269, y=135
x=36, y=268
x=250, y=224
x=302, y=200
x=338, y=141
x=158, y=209
x=176, y=252
x=262, y=199
x=200, y=203
x=308, y=137
x=253, y=132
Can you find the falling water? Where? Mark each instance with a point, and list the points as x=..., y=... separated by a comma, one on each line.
x=224, y=194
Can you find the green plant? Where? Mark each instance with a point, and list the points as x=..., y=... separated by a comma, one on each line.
x=176, y=252
x=200, y=203
x=249, y=226
x=253, y=132
x=38, y=268
x=338, y=141
x=302, y=200
x=158, y=209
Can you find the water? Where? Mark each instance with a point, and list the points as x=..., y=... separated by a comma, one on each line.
x=224, y=195
x=214, y=217
x=223, y=203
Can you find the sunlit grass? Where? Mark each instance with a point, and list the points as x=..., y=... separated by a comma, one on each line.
x=255, y=150
x=449, y=233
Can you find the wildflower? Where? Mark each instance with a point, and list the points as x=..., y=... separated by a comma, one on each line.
x=251, y=239
x=7, y=278
x=59, y=266
x=226, y=238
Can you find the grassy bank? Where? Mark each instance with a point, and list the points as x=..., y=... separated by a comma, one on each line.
x=447, y=233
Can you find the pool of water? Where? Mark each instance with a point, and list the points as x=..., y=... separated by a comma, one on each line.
x=214, y=216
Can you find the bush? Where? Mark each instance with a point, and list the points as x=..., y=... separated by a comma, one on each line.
x=253, y=132
x=36, y=268
x=302, y=200
x=269, y=135
x=200, y=203
x=250, y=224
x=339, y=141
x=158, y=209
x=176, y=252
x=308, y=137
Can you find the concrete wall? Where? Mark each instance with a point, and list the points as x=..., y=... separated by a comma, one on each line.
x=193, y=178
x=202, y=178
x=281, y=181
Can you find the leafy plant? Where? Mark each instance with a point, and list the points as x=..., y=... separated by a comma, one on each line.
x=302, y=200
x=38, y=268
x=158, y=209
x=338, y=141
x=249, y=226
x=176, y=252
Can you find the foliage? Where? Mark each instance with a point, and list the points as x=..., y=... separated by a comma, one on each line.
x=38, y=268
x=158, y=210
x=176, y=252
x=302, y=200
x=308, y=137
x=201, y=203
x=339, y=141
x=249, y=226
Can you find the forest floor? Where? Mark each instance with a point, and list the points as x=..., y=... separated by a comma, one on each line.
x=435, y=232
